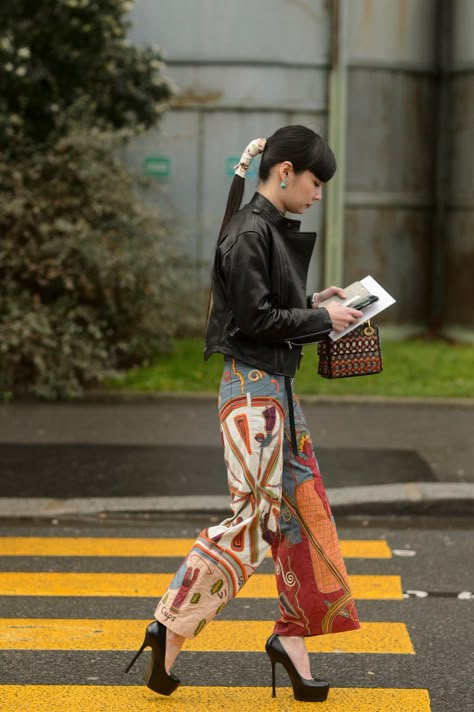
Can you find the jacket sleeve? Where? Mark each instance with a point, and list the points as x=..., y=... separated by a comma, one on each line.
x=246, y=268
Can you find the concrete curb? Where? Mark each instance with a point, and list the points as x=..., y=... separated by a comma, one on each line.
x=444, y=498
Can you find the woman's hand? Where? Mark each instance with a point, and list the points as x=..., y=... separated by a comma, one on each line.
x=341, y=316
x=326, y=294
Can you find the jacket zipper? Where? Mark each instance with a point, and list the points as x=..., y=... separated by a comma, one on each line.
x=292, y=342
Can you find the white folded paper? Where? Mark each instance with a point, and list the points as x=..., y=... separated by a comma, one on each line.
x=385, y=300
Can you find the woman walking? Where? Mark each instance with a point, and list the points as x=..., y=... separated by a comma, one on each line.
x=259, y=318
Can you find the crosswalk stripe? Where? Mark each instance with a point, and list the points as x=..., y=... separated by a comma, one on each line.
x=88, y=546
x=363, y=587
x=77, y=698
x=231, y=636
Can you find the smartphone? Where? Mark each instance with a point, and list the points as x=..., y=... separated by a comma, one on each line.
x=364, y=302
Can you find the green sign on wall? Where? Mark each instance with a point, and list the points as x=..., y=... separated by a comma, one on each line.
x=157, y=166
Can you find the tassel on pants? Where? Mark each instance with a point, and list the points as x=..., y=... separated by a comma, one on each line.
x=278, y=501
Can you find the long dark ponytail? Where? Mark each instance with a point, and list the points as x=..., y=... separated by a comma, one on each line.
x=237, y=188
x=234, y=200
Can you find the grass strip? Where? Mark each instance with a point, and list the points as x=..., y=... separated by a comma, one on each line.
x=417, y=368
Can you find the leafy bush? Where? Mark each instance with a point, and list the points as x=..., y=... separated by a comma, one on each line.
x=70, y=60
x=90, y=278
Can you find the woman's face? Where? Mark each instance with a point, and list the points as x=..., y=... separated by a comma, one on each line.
x=302, y=190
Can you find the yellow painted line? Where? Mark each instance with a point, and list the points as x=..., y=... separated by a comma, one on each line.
x=77, y=698
x=68, y=546
x=153, y=585
x=228, y=636
x=365, y=549
x=362, y=587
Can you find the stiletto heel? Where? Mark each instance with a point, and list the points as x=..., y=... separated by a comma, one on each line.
x=156, y=677
x=274, y=694
x=303, y=690
x=129, y=667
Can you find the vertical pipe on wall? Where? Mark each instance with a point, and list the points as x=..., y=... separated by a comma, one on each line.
x=199, y=256
x=337, y=110
x=443, y=55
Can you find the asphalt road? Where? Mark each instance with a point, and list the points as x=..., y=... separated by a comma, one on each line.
x=430, y=556
x=423, y=439
x=164, y=454
x=64, y=470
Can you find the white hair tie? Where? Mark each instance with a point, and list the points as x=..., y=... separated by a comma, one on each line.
x=253, y=149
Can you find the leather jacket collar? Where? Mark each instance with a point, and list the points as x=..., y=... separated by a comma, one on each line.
x=260, y=204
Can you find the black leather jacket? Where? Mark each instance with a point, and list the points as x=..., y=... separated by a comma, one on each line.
x=260, y=312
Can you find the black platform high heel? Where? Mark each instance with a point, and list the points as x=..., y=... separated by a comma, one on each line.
x=303, y=690
x=156, y=677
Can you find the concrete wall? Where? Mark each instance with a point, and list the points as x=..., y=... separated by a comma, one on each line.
x=458, y=279
x=390, y=134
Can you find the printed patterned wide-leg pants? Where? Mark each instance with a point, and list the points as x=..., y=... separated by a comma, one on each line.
x=278, y=502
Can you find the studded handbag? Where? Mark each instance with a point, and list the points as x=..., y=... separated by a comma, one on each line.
x=358, y=353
